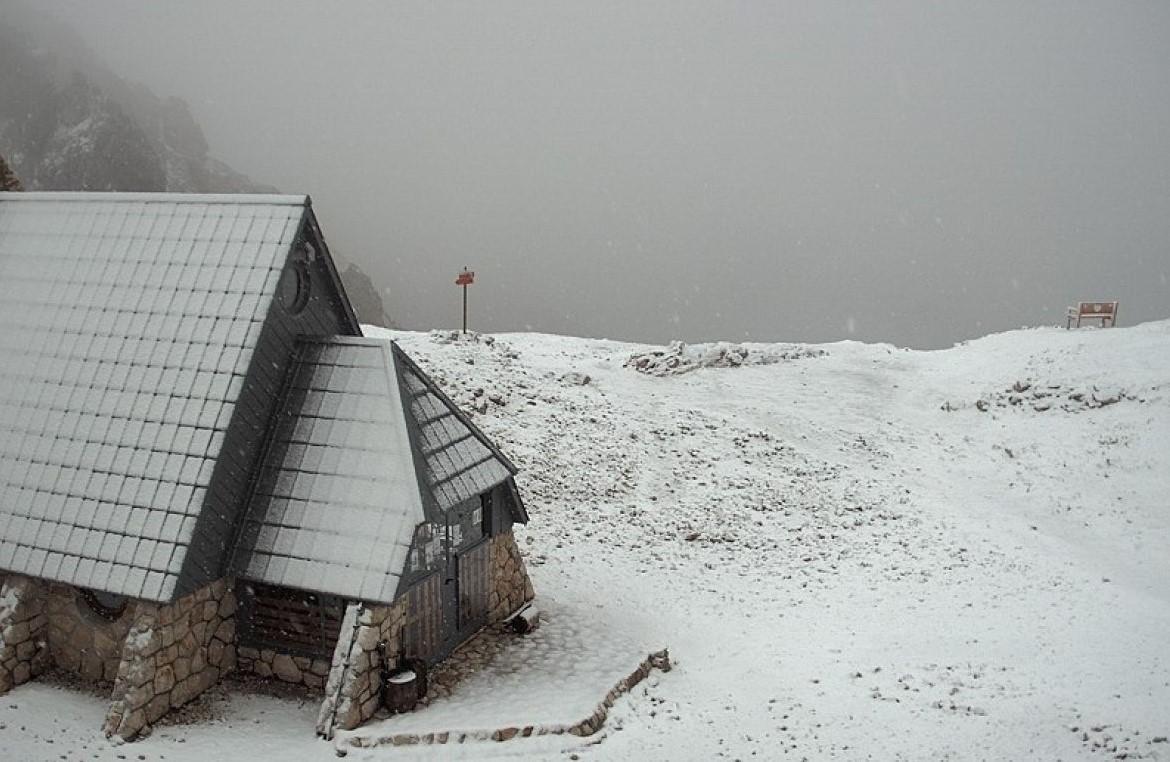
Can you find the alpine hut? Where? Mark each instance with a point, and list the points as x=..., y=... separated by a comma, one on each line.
x=206, y=468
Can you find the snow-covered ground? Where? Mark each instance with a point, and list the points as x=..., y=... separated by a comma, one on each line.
x=859, y=552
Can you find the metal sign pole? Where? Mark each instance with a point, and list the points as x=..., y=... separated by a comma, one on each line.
x=465, y=279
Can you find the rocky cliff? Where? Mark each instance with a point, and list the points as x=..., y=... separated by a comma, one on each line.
x=69, y=123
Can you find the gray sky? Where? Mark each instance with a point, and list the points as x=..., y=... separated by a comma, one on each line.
x=914, y=172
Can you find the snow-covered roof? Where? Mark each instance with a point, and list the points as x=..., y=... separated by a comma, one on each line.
x=457, y=460
x=131, y=411
x=198, y=199
x=365, y=450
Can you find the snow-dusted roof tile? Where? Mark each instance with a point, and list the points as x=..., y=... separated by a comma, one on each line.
x=459, y=461
x=128, y=322
x=338, y=497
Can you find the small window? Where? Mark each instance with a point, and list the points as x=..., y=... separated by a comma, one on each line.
x=425, y=552
x=454, y=535
x=465, y=524
x=107, y=606
x=489, y=527
x=295, y=287
x=473, y=525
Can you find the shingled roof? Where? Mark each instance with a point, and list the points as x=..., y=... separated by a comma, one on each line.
x=146, y=340
x=366, y=449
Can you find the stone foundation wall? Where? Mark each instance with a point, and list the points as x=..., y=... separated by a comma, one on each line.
x=24, y=652
x=80, y=640
x=298, y=670
x=172, y=653
x=510, y=586
x=354, y=689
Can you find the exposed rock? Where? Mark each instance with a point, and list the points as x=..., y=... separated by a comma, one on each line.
x=1039, y=398
x=677, y=358
x=576, y=379
x=286, y=669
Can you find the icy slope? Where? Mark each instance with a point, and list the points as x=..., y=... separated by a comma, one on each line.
x=867, y=551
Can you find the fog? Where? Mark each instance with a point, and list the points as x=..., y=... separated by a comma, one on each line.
x=919, y=173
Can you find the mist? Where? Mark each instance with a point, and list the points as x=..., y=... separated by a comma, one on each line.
x=918, y=173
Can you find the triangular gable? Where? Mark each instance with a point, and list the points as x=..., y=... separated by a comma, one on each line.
x=457, y=460
x=366, y=448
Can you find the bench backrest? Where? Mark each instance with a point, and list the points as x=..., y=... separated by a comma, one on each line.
x=1097, y=309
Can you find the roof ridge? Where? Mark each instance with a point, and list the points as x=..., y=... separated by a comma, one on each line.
x=237, y=199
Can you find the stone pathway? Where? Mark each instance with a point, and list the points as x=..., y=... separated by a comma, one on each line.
x=467, y=660
x=561, y=678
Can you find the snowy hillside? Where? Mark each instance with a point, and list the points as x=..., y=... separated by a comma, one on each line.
x=852, y=551
x=875, y=551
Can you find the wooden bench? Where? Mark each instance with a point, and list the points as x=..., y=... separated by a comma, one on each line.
x=1103, y=311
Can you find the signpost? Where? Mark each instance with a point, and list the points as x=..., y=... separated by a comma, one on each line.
x=465, y=279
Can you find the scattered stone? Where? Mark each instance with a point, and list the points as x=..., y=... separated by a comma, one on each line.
x=678, y=358
x=1042, y=398
x=576, y=379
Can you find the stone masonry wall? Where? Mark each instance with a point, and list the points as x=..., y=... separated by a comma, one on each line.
x=298, y=670
x=354, y=689
x=510, y=586
x=23, y=650
x=80, y=640
x=172, y=654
